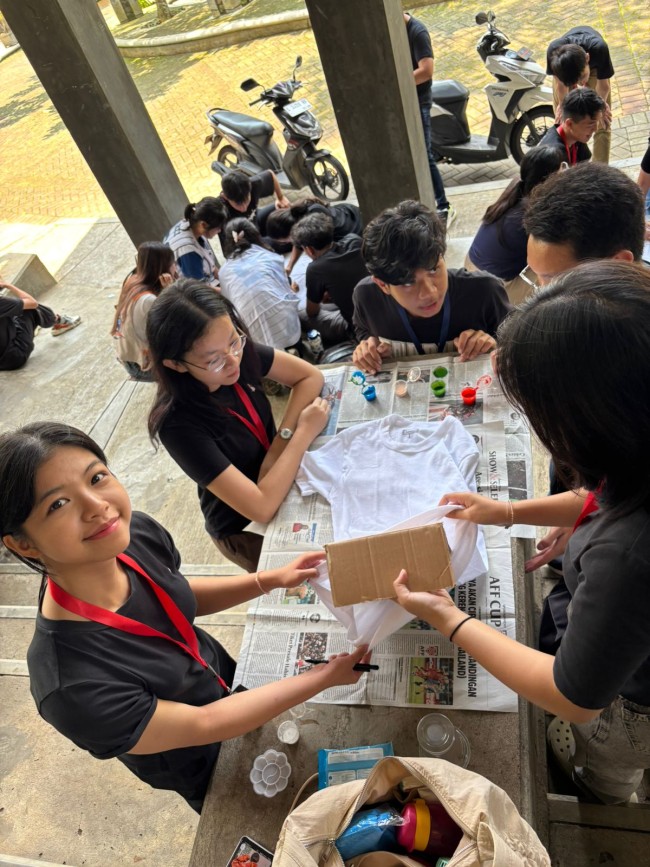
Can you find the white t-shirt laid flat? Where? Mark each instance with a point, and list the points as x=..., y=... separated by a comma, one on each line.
x=377, y=474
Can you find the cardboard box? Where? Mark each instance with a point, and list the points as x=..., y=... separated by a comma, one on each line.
x=364, y=569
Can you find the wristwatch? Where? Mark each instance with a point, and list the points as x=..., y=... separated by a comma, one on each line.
x=285, y=433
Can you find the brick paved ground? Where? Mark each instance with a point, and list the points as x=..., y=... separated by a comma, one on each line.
x=43, y=177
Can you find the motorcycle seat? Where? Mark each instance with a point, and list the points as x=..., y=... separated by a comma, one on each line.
x=448, y=91
x=242, y=123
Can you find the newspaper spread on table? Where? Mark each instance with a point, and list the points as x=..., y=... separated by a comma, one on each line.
x=418, y=667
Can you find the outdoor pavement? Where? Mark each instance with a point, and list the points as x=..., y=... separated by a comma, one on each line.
x=43, y=176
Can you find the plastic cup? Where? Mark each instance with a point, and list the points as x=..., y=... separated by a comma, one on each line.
x=469, y=396
x=438, y=738
x=369, y=392
x=299, y=711
x=401, y=388
x=288, y=732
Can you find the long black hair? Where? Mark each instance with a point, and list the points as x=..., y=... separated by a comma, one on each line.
x=575, y=359
x=179, y=317
x=538, y=163
x=22, y=453
x=154, y=259
x=244, y=235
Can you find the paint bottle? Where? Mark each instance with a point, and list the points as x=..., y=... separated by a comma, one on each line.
x=314, y=341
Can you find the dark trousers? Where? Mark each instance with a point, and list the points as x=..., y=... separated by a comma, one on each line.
x=436, y=177
x=241, y=548
x=22, y=345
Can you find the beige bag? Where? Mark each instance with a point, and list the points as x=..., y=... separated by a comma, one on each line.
x=493, y=831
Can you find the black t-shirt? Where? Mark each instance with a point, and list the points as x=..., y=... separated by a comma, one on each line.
x=261, y=187
x=337, y=272
x=420, y=47
x=593, y=43
x=346, y=218
x=553, y=139
x=478, y=301
x=605, y=651
x=100, y=686
x=500, y=247
x=9, y=308
x=205, y=439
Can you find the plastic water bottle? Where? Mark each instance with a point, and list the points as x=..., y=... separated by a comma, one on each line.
x=314, y=342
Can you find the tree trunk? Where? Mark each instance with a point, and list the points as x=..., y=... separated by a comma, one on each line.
x=164, y=12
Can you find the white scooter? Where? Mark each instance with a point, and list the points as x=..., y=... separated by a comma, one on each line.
x=521, y=107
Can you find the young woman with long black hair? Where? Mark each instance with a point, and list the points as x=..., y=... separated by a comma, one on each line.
x=212, y=416
x=116, y=663
x=155, y=268
x=574, y=360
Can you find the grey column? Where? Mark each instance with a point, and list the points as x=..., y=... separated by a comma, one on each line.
x=126, y=10
x=77, y=61
x=365, y=55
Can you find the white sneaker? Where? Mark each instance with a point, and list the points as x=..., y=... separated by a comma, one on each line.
x=448, y=215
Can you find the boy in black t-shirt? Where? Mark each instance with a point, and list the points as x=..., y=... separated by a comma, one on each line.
x=241, y=194
x=335, y=269
x=412, y=303
x=581, y=58
x=581, y=111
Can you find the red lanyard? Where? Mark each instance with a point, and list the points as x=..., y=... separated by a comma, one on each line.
x=591, y=504
x=127, y=624
x=571, y=152
x=255, y=425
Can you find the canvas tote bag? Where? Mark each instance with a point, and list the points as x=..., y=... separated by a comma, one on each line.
x=494, y=834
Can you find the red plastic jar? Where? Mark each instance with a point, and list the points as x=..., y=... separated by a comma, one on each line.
x=428, y=828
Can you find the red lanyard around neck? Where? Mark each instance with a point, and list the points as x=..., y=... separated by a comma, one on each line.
x=255, y=425
x=127, y=624
x=591, y=504
x=571, y=151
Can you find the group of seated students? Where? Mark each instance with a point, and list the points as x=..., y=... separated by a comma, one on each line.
x=163, y=707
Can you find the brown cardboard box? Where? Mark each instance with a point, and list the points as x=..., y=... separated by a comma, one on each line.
x=364, y=569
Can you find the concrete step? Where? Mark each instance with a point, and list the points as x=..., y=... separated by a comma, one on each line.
x=19, y=588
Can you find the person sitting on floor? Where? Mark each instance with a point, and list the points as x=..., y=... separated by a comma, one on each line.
x=254, y=280
x=278, y=226
x=499, y=246
x=335, y=269
x=20, y=316
x=155, y=269
x=190, y=239
x=581, y=112
x=412, y=304
x=240, y=195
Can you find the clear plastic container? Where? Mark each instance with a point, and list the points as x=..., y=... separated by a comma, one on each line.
x=288, y=732
x=438, y=738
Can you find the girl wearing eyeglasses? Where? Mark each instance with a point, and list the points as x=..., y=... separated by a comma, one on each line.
x=212, y=416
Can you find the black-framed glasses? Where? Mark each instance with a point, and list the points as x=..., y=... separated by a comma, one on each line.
x=235, y=349
x=523, y=274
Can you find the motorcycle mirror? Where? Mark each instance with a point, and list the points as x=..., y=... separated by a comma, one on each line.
x=299, y=61
x=249, y=84
x=491, y=17
x=481, y=18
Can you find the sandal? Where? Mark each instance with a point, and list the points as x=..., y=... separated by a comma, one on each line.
x=562, y=743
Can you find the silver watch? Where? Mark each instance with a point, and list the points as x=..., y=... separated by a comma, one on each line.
x=285, y=433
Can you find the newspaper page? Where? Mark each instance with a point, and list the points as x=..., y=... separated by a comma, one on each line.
x=418, y=667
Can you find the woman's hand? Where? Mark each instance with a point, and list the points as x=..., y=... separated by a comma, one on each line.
x=437, y=608
x=478, y=509
x=339, y=671
x=303, y=568
x=166, y=279
x=553, y=545
x=313, y=418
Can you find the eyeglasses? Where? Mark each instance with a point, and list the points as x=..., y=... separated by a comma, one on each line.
x=235, y=349
x=524, y=276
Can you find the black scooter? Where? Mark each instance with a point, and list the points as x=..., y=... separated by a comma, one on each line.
x=251, y=148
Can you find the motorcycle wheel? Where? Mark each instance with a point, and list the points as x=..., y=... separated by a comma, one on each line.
x=228, y=156
x=328, y=179
x=529, y=129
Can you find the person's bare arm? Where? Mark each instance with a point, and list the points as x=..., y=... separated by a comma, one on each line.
x=603, y=88
x=281, y=200
x=175, y=725
x=526, y=671
x=29, y=303
x=313, y=309
x=368, y=355
x=561, y=510
x=424, y=70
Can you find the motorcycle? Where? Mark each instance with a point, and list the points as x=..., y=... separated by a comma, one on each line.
x=250, y=147
x=522, y=109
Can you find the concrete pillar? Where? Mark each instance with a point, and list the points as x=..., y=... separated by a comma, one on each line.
x=126, y=10
x=365, y=55
x=78, y=63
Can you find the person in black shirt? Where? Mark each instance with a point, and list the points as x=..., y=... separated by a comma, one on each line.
x=213, y=417
x=581, y=58
x=422, y=61
x=240, y=195
x=335, y=269
x=412, y=303
x=581, y=111
x=158, y=698
x=20, y=316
